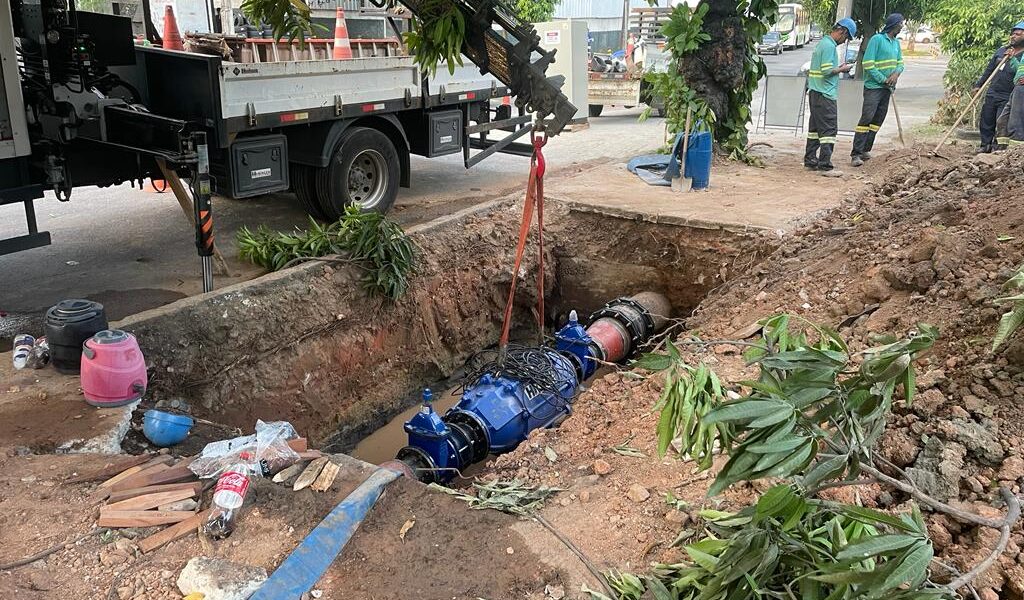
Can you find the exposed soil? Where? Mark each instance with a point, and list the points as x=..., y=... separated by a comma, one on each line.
x=441, y=556
x=921, y=246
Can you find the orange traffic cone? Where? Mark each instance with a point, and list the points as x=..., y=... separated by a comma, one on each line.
x=172, y=37
x=342, y=47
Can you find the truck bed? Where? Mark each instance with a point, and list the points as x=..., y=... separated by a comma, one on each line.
x=235, y=98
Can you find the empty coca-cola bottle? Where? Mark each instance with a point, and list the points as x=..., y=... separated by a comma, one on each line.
x=228, y=496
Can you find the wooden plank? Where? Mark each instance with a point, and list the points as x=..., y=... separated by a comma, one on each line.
x=110, y=469
x=141, y=518
x=197, y=486
x=310, y=474
x=139, y=479
x=126, y=474
x=326, y=477
x=310, y=455
x=163, y=459
x=175, y=474
x=298, y=444
x=174, y=532
x=289, y=472
x=149, y=501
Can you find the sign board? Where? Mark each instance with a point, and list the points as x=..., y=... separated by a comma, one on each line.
x=784, y=100
x=552, y=38
x=851, y=99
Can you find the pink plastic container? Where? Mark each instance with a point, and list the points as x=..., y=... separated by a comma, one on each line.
x=113, y=369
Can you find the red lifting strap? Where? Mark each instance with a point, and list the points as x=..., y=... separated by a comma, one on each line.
x=534, y=202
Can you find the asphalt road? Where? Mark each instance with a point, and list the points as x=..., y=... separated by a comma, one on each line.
x=133, y=250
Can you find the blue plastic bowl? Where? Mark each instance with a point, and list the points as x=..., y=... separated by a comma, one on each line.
x=166, y=429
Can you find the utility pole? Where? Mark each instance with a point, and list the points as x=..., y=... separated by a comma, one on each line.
x=625, y=24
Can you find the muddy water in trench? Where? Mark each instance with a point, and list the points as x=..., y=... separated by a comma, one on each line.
x=382, y=445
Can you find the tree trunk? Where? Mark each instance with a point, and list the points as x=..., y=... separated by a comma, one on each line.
x=717, y=66
x=869, y=32
x=912, y=40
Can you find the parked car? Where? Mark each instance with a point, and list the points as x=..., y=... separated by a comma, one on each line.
x=924, y=35
x=816, y=32
x=771, y=43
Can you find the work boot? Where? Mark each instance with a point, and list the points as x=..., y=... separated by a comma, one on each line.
x=831, y=173
x=865, y=156
x=811, y=165
x=999, y=147
x=986, y=149
x=857, y=161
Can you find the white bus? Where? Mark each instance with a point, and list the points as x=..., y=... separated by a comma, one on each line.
x=794, y=25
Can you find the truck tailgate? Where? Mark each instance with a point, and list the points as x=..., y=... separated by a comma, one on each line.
x=613, y=88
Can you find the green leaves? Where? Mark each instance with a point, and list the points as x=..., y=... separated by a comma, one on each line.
x=1013, y=318
x=436, y=36
x=289, y=19
x=689, y=395
x=368, y=239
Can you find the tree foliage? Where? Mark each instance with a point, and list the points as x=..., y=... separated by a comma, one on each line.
x=971, y=32
x=869, y=14
x=536, y=11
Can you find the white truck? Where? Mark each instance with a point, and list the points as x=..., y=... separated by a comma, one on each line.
x=84, y=105
x=615, y=81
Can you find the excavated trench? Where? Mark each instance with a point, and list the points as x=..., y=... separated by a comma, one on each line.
x=306, y=345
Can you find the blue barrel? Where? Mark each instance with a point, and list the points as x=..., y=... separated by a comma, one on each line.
x=698, y=160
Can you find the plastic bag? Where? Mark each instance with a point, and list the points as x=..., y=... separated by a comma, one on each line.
x=267, y=450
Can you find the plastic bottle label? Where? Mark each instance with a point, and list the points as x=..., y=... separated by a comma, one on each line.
x=230, y=491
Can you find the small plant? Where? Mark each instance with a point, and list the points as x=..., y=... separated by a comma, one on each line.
x=1014, y=317
x=367, y=239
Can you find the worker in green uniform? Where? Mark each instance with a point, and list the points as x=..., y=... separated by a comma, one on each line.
x=823, y=94
x=883, y=65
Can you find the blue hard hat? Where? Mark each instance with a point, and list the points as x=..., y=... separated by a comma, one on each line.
x=848, y=24
x=1019, y=25
x=894, y=20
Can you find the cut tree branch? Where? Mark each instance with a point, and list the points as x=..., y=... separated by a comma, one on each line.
x=1012, y=516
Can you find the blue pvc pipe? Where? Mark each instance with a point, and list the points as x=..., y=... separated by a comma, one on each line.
x=311, y=559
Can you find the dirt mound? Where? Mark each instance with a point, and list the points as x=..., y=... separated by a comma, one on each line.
x=932, y=241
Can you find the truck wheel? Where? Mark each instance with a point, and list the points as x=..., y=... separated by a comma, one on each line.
x=305, y=190
x=595, y=110
x=364, y=172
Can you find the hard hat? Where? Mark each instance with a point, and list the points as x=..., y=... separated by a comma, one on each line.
x=848, y=24
x=893, y=20
x=1019, y=25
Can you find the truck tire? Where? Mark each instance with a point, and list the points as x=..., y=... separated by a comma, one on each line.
x=364, y=171
x=595, y=110
x=304, y=186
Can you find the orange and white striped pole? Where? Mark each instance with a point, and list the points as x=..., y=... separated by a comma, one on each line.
x=342, y=46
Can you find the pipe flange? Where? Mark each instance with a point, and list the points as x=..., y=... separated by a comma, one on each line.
x=474, y=431
x=421, y=464
x=638, y=331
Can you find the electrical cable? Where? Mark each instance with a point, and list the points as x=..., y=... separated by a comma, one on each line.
x=535, y=368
